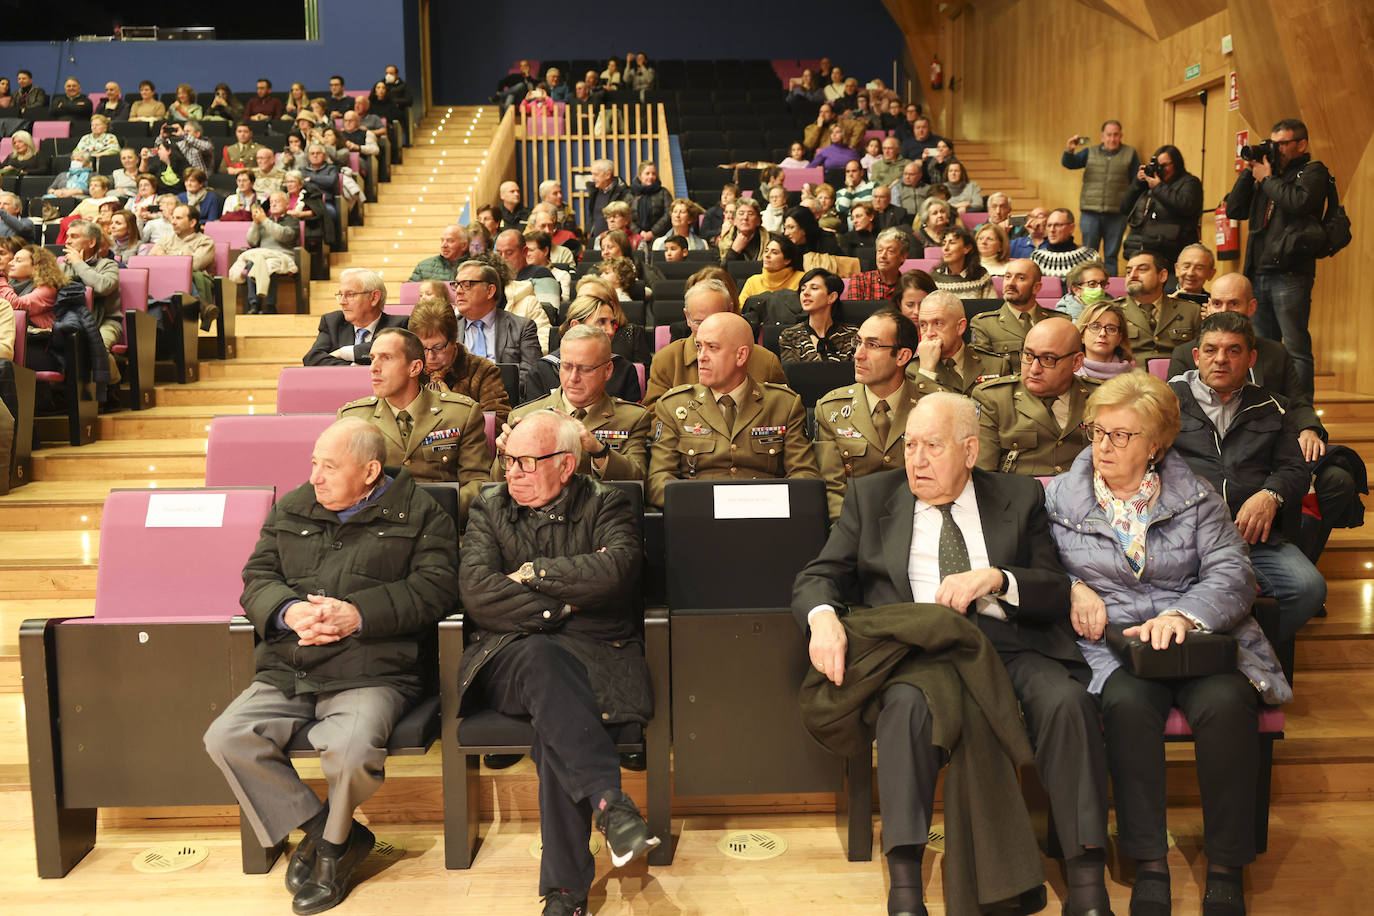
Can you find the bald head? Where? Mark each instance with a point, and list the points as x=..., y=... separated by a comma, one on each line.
x=1052, y=338
x=1231, y=293
x=724, y=341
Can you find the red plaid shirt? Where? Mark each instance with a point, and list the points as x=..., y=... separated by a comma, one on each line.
x=870, y=285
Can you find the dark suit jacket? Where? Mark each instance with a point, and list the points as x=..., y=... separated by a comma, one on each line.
x=1273, y=371
x=335, y=332
x=516, y=342
x=892, y=216
x=865, y=559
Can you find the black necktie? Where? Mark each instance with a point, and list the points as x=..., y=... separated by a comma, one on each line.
x=953, y=552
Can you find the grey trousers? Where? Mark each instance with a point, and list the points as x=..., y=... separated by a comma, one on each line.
x=349, y=728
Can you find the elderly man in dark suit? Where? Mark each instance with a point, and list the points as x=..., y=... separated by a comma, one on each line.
x=489, y=330
x=978, y=543
x=345, y=337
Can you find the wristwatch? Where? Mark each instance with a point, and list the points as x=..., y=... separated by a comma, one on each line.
x=525, y=573
x=1277, y=498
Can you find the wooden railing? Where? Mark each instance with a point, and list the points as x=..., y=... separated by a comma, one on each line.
x=562, y=145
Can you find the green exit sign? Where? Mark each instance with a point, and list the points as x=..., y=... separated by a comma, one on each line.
x=1192, y=72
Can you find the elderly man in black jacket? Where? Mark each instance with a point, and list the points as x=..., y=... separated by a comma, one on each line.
x=352, y=571
x=551, y=564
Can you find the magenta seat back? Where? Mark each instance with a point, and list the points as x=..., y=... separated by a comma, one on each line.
x=1116, y=287
x=926, y=264
x=973, y=220
x=934, y=252
x=168, y=274
x=1051, y=286
x=357, y=93
x=355, y=162
x=1159, y=367
x=410, y=292
x=176, y=554
x=133, y=288
x=221, y=265
x=320, y=389
x=793, y=179
x=1046, y=302
x=6, y=147
x=47, y=130
x=878, y=135
x=663, y=335
x=263, y=450
x=639, y=371
x=997, y=284
x=489, y=419
x=233, y=233
x=404, y=309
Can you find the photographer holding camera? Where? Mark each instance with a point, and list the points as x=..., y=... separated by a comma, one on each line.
x=1163, y=207
x=1282, y=194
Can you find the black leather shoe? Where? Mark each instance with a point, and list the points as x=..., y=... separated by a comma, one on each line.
x=501, y=761
x=1090, y=911
x=301, y=865
x=635, y=761
x=1032, y=901
x=330, y=879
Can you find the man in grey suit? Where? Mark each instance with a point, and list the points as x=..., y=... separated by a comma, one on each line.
x=488, y=329
x=946, y=533
x=352, y=571
x=345, y=337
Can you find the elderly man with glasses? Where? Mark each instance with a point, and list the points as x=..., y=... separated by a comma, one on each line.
x=551, y=564
x=345, y=337
x=1032, y=423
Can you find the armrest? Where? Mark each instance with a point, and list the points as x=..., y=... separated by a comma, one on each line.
x=243, y=639
x=450, y=655
x=658, y=656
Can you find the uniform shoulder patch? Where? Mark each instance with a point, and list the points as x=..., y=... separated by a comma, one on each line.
x=839, y=394
x=679, y=389
x=1000, y=380
x=361, y=402
x=777, y=386
x=453, y=397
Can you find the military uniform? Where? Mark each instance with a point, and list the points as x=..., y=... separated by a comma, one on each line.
x=847, y=442
x=448, y=439
x=1017, y=434
x=1001, y=332
x=623, y=426
x=978, y=367
x=691, y=441
x=676, y=364
x=1176, y=321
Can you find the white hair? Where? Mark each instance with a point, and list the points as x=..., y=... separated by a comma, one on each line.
x=369, y=279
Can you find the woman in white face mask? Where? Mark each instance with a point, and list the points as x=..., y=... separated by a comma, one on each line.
x=1087, y=284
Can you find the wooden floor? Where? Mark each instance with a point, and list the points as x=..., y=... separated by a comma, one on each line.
x=49, y=541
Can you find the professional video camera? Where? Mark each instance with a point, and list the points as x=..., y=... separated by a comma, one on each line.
x=1259, y=152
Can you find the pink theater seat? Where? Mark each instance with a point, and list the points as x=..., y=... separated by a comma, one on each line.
x=640, y=372
x=926, y=264
x=320, y=389
x=48, y=130
x=1047, y=302
x=1116, y=287
x=1159, y=367
x=793, y=179
x=663, y=335
x=168, y=274
x=403, y=309
x=132, y=554
x=263, y=450
x=1051, y=286
x=997, y=284
x=934, y=252
x=410, y=292
x=489, y=419
x=1271, y=721
x=6, y=147
x=139, y=345
x=973, y=220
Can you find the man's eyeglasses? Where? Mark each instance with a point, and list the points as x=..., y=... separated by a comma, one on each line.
x=576, y=369
x=466, y=284
x=528, y=463
x=340, y=296
x=1119, y=437
x=1111, y=330
x=1047, y=360
x=866, y=344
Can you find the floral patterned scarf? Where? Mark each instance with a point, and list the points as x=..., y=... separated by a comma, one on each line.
x=1129, y=517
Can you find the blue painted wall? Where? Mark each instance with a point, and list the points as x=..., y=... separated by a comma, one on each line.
x=476, y=46
x=358, y=38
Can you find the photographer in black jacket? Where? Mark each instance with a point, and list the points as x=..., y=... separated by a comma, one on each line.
x=1282, y=194
x=1162, y=206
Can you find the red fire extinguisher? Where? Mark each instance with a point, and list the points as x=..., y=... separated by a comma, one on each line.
x=1228, y=235
x=937, y=73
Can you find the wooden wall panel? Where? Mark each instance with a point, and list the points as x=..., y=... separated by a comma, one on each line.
x=1031, y=74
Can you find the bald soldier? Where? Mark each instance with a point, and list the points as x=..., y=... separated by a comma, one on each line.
x=1002, y=332
x=942, y=362
x=1032, y=423
x=434, y=435
x=859, y=427
x=729, y=425
x=615, y=432
x=676, y=364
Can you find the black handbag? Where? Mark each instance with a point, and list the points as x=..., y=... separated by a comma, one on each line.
x=1199, y=655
